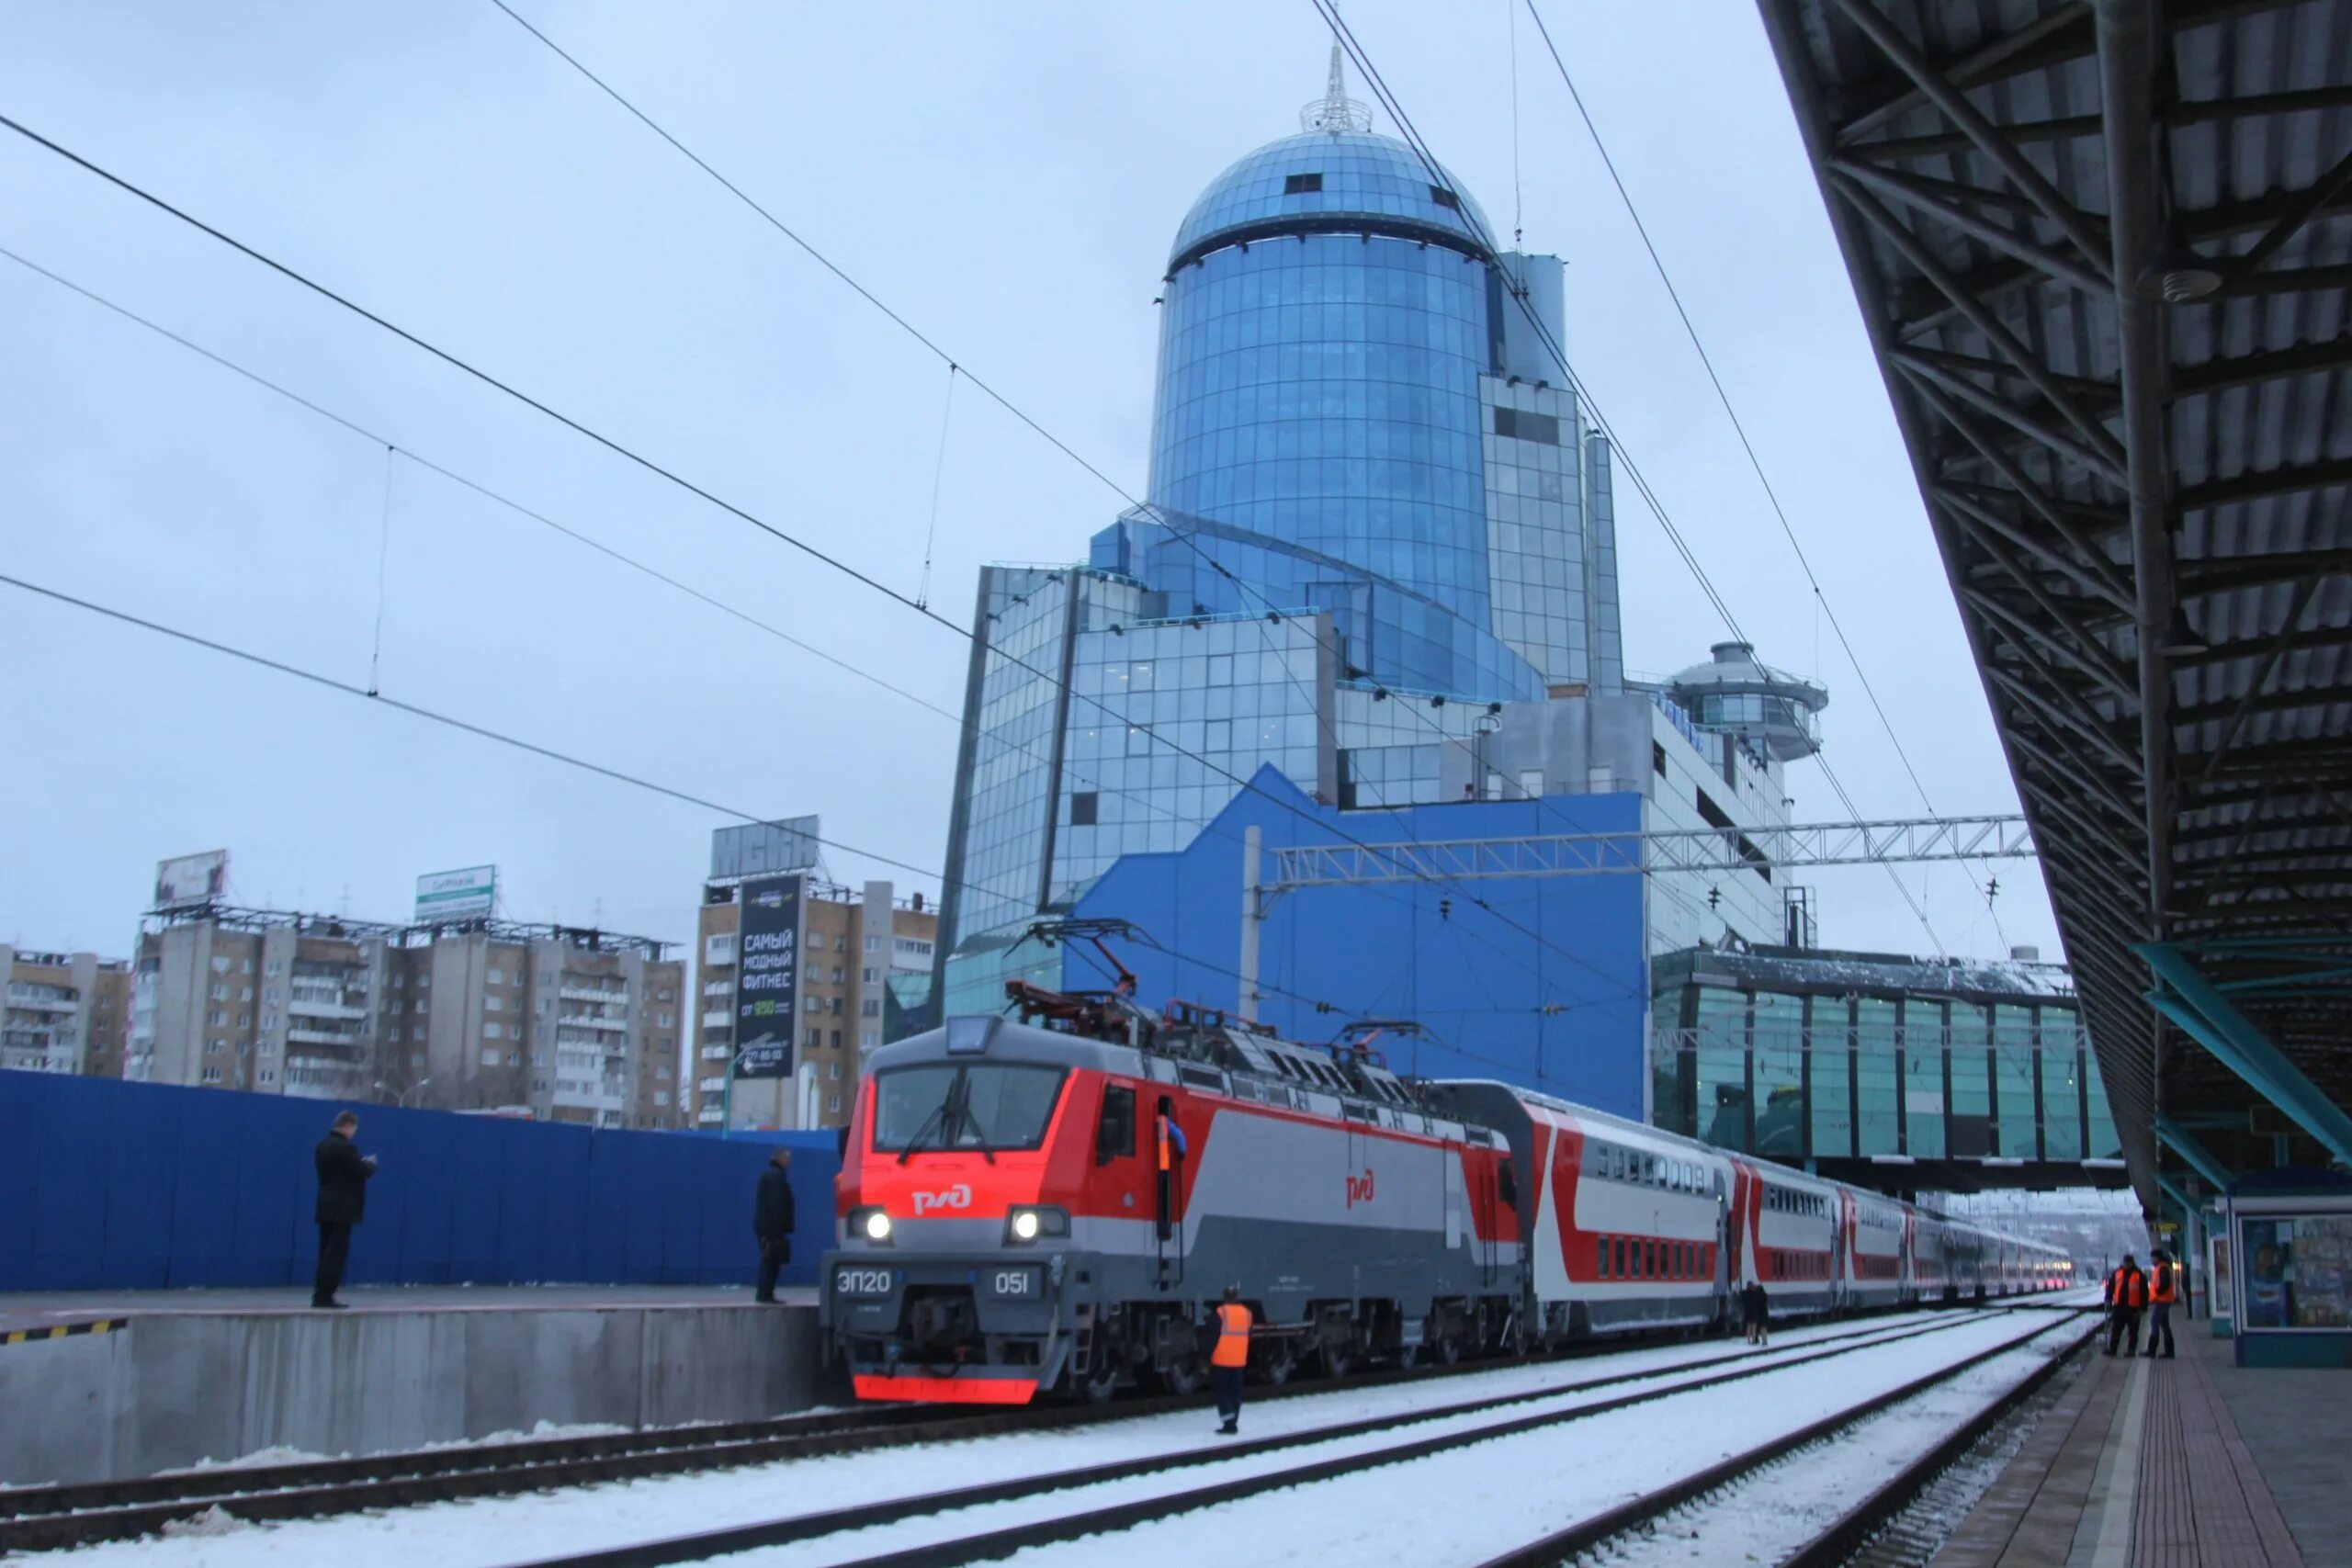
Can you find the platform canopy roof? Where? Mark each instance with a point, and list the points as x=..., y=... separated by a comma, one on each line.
x=2102, y=250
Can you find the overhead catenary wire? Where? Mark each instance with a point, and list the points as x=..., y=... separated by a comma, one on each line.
x=1823, y=608
x=504, y=738
x=375, y=438
x=547, y=753
x=1420, y=149
x=617, y=447
x=938, y=473
x=393, y=450
x=955, y=366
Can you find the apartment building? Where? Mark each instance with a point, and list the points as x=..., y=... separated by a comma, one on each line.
x=863, y=979
x=576, y=1025
x=64, y=1013
x=567, y=1025
x=267, y=1001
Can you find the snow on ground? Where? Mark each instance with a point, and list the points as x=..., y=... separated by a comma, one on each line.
x=1794, y=1501
x=1472, y=1503
x=503, y=1531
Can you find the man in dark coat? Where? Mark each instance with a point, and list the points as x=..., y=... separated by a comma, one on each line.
x=772, y=1221
x=343, y=1203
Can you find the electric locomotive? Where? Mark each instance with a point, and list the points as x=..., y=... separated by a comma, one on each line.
x=1053, y=1202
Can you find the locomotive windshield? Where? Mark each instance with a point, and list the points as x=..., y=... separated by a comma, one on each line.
x=985, y=1106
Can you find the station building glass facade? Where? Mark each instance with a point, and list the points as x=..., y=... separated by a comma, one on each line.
x=1832, y=1058
x=1375, y=511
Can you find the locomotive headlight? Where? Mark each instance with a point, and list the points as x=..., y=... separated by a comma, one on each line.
x=874, y=1224
x=1024, y=1224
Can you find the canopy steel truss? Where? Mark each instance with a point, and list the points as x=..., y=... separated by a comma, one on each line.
x=2103, y=249
x=1679, y=850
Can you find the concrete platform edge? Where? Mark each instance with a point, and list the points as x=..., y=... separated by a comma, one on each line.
x=171, y=1389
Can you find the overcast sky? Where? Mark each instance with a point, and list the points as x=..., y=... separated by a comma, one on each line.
x=1005, y=176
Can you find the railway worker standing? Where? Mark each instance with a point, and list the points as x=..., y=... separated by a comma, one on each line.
x=1229, y=1358
x=772, y=1220
x=1756, y=1308
x=343, y=1203
x=2164, y=1289
x=2127, y=1295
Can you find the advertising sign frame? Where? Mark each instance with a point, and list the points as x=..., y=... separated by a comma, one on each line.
x=185, y=881
x=2291, y=1257
x=468, y=892
x=767, y=977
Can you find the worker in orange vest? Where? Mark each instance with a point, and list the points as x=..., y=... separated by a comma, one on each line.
x=1230, y=1356
x=2164, y=1289
x=2127, y=1296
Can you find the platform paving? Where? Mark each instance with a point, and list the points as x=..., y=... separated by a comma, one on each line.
x=2297, y=1426
x=2142, y=1464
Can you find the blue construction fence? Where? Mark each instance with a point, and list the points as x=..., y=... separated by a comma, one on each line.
x=129, y=1186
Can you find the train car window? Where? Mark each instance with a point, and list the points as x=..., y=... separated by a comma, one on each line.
x=1506, y=1187
x=1621, y=1257
x=1115, y=1135
x=1602, y=1251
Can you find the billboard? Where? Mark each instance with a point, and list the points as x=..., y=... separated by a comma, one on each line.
x=456, y=894
x=763, y=849
x=192, y=879
x=767, y=977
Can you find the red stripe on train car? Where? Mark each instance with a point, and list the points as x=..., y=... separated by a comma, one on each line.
x=948, y=1391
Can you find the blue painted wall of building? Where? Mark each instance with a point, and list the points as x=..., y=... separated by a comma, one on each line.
x=1480, y=985
x=126, y=1186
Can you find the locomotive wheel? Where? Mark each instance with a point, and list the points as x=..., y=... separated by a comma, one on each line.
x=1337, y=1361
x=1448, y=1346
x=1183, y=1377
x=1276, y=1369
x=1101, y=1381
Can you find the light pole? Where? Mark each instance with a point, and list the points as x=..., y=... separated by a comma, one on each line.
x=727, y=1099
x=400, y=1096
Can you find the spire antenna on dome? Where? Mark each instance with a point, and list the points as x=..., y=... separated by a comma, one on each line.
x=1335, y=111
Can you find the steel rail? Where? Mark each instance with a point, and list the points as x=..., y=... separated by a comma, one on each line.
x=40, y=1519
x=993, y=1544
x=1563, y=1545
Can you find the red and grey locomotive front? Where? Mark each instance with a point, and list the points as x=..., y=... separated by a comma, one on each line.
x=959, y=1246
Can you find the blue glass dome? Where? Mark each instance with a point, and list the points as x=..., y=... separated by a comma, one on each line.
x=1338, y=175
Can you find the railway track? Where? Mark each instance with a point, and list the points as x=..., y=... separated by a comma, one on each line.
x=1833, y=1546
x=44, y=1518
x=989, y=1545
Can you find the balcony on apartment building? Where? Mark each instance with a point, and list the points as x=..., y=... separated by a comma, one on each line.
x=28, y=996
x=320, y=1031
x=590, y=988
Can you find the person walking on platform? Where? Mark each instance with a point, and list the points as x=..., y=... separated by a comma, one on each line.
x=772, y=1221
x=1230, y=1357
x=2127, y=1295
x=2164, y=1289
x=343, y=1203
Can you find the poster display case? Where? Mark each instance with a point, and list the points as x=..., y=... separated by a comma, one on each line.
x=2290, y=1262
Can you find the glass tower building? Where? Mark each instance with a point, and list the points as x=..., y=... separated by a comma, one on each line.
x=1375, y=509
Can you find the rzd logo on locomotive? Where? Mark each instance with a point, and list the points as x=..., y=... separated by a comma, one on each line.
x=1359, y=1188
x=957, y=1197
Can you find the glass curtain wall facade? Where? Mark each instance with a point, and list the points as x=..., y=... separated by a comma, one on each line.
x=1800, y=1056
x=1373, y=511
